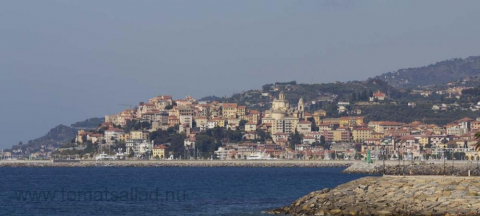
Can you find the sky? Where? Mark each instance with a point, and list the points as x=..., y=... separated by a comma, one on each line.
x=66, y=61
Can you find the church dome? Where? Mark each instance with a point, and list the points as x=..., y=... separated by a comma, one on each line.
x=278, y=115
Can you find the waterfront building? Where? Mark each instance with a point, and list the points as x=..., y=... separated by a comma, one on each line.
x=160, y=151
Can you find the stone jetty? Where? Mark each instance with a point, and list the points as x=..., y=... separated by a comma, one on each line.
x=465, y=169
x=178, y=163
x=393, y=195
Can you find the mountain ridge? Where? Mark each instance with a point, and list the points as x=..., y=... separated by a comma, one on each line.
x=438, y=73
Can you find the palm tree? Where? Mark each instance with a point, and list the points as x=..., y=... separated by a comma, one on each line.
x=477, y=137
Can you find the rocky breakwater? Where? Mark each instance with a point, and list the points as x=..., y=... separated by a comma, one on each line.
x=393, y=195
x=177, y=163
x=415, y=169
x=365, y=168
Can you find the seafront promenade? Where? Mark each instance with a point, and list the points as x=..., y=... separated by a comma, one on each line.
x=178, y=163
x=360, y=166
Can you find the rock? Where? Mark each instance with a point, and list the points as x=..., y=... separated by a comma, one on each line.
x=392, y=196
x=335, y=211
x=383, y=212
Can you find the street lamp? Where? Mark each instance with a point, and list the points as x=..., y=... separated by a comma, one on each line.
x=403, y=158
x=453, y=164
x=444, y=149
x=476, y=156
x=398, y=156
x=383, y=157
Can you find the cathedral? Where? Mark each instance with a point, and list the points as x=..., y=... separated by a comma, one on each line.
x=282, y=117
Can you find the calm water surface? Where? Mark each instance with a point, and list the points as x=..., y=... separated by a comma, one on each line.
x=196, y=191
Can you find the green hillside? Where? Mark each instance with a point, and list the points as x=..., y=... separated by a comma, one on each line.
x=435, y=74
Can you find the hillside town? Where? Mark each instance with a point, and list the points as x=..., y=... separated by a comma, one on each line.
x=204, y=130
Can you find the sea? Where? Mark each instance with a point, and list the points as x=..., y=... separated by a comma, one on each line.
x=159, y=190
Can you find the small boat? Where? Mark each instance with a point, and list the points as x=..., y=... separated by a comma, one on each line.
x=104, y=156
x=258, y=156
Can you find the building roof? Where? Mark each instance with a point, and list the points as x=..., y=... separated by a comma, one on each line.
x=466, y=119
x=363, y=129
x=160, y=147
x=304, y=122
x=351, y=117
x=229, y=105
x=379, y=94
x=114, y=130
x=390, y=123
x=253, y=112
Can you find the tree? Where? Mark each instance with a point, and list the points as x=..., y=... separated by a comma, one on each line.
x=260, y=133
x=89, y=148
x=234, y=135
x=296, y=138
x=205, y=145
x=364, y=95
x=160, y=136
x=242, y=123
x=171, y=130
x=176, y=145
x=314, y=126
x=444, y=141
x=131, y=153
x=477, y=137
x=322, y=140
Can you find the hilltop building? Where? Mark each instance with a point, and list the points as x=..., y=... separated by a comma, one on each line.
x=282, y=117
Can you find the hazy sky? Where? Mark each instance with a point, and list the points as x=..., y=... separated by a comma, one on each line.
x=65, y=61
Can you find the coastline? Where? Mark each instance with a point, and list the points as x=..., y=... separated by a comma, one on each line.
x=179, y=163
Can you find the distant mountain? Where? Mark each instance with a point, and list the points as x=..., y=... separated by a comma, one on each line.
x=58, y=135
x=435, y=74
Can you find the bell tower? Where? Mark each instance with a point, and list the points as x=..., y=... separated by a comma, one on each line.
x=281, y=96
x=301, y=108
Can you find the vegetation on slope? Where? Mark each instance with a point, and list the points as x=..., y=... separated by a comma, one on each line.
x=438, y=73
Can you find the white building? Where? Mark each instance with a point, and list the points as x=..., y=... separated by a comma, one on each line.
x=224, y=154
x=212, y=124
x=113, y=134
x=139, y=147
